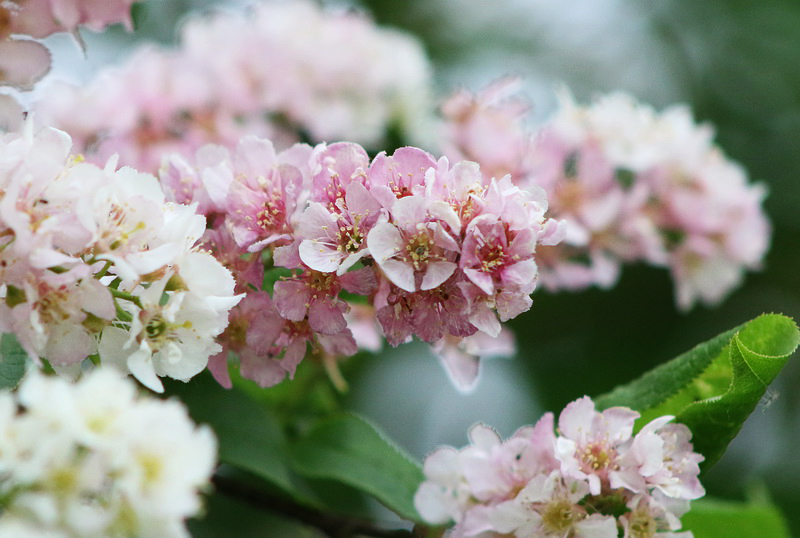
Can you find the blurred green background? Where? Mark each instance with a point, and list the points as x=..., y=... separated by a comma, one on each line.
x=737, y=63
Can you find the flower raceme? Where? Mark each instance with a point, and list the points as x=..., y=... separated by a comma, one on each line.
x=320, y=74
x=98, y=262
x=632, y=184
x=93, y=459
x=594, y=478
x=95, y=261
x=435, y=250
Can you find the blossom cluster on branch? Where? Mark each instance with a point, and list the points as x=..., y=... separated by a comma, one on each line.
x=287, y=71
x=434, y=250
x=633, y=185
x=92, y=459
x=90, y=254
x=592, y=479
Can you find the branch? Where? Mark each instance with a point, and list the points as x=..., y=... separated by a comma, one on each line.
x=335, y=526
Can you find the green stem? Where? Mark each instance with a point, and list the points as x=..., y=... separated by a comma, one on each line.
x=126, y=297
x=102, y=272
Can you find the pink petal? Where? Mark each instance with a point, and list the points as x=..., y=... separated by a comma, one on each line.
x=255, y=156
x=482, y=280
x=316, y=222
x=340, y=345
x=462, y=368
x=294, y=353
x=485, y=320
x=575, y=421
x=360, y=282
x=409, y=211
x=22, y=62
x=520, y=275
x=511, y=305
x=359, y=200
x=326, y=317
x=218, y=366
x=265, y=371
x=288, y=256
x=11, y=113
x=291, y=298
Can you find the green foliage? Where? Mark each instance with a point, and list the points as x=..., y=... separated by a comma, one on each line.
x=712, y=518
x=249, y=437
x=12, y=361
x=714, y=387
x=349, y=450
x=341, y=456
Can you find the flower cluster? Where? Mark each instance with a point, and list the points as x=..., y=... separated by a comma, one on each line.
x=287, y=71
x=436, y=250
x=92, y=459
x=96, y=261
x=24, y=61
x=595, y=478
x=633, y=185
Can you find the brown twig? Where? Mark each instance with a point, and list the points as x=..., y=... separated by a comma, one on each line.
x=334, y=525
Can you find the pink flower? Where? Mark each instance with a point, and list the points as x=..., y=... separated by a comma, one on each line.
x=414, y=251
x=495, y=257
x=590, y=442
x=335, y=240
x=548, y=507
x=429, y=314
x=589, y=480
x=264, y=195
x=399, y=175
x=461, y=355
x=253, y=325
x=488, y=128
x=315, y=296
x=334, y=168
x=661, y=457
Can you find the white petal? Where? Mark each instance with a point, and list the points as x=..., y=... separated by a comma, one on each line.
x=401, y=274
x=319, y=256
x=384, y=241
x=437, y=273
x=140, y=364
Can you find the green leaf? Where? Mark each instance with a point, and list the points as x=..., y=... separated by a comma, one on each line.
x=12, y=361
x=714, y=387
x=712, y=518
x=249, y=436
x=350, y=450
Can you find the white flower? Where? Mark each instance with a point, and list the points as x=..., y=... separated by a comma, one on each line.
x=93, y=460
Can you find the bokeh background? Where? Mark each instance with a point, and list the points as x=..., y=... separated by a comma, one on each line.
x=737, y=63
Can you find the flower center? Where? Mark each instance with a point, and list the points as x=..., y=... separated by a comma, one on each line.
x=597, y=456
x=642, y=524
x=493, y=258
x=559, y=516
x=418, y=249
x=271, y=216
